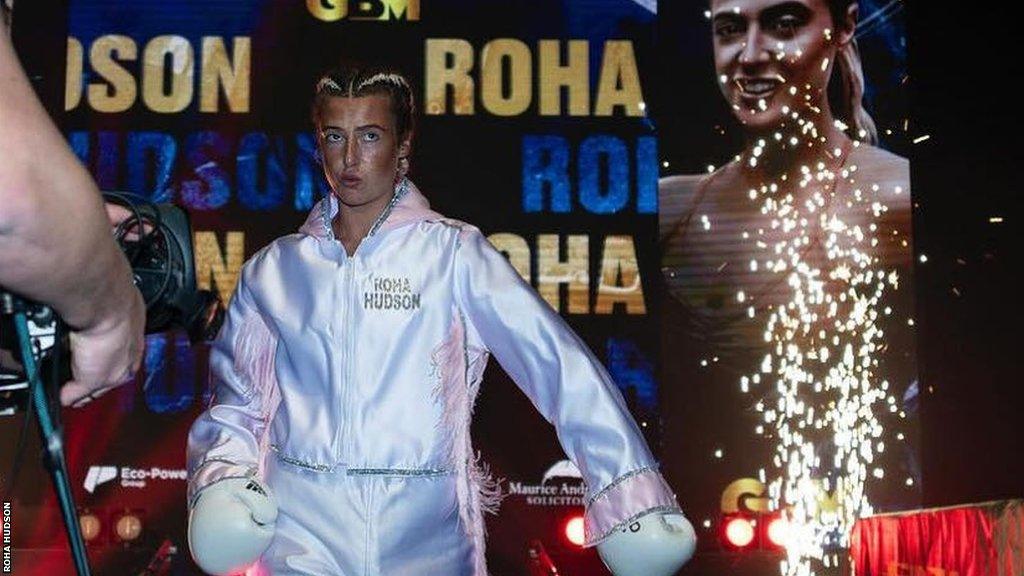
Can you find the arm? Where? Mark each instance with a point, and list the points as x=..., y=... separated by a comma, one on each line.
x=55, y=241
x=566, y=384
x=232, y=513
x=227, y=440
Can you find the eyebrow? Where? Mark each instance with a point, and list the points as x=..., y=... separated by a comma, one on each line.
x=785, y=8
x=358, y=128
x=774, y=9
x=726, y=16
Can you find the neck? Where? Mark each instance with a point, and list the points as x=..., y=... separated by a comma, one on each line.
x=772, y=157
x=353, y=223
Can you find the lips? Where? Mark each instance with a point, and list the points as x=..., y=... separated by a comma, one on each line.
x=350, y=181
x=757, y=87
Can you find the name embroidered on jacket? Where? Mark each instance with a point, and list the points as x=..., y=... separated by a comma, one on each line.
x=391, y=294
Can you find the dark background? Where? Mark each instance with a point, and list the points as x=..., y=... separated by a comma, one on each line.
x=963, y=64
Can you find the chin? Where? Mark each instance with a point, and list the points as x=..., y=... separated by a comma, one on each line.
x=762, y=123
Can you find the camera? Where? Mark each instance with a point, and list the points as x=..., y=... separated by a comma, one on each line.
x=157, y=241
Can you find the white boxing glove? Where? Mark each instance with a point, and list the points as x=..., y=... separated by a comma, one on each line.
x=231, y=524
x=656, y=544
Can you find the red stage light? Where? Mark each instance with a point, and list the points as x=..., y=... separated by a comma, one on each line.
x=739, y=531
x=574, y=530
x=777, y=532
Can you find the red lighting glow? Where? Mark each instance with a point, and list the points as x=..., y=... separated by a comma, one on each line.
x=574, y=530
x=739, y=532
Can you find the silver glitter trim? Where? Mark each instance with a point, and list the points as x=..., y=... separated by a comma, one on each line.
x=630, y=520
x=325, y=211
x=325, y=217
x=250, y=473
x=604, y=491
x=328, y=468
x=315, y=466
x=419, y=472
x=400, y=191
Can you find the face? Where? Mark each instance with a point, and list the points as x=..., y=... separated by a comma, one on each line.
x=360, y=147
x=775, y=54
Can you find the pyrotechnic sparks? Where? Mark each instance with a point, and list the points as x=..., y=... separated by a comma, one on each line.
x=824, y=401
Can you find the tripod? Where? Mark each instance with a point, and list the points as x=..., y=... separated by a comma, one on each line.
x=53, y=442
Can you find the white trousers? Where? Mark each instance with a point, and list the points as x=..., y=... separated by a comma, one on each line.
x=365, y=525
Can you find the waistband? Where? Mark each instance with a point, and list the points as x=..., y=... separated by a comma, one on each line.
x=349, y=470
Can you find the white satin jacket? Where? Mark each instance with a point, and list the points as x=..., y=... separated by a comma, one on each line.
x=370, y=364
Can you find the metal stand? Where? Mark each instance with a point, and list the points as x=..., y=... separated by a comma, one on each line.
x=53, y=456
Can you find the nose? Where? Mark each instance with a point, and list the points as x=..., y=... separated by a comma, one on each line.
x=755, y=50
x=351, y=152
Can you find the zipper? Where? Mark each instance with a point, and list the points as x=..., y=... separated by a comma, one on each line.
x=341, y=431
x=348, y=353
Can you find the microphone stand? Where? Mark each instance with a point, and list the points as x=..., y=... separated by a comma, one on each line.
x=53, y=455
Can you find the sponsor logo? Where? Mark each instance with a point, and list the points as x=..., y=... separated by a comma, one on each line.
x=562, y=469
x=333, y=10
x=561, y=485
x=130, y=477
x=99, y=475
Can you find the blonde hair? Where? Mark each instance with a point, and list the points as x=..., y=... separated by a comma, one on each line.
x=852, y=74
x=356, y=81
x=851, y=71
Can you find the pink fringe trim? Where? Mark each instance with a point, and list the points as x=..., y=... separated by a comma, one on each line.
x=255, y=350
x=458, y=384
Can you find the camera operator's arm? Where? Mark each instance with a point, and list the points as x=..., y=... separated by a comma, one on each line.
x=55, y=240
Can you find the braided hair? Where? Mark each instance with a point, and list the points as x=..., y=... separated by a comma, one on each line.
x=355, y=81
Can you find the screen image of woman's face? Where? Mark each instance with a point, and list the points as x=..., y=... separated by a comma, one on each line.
x=773, y=55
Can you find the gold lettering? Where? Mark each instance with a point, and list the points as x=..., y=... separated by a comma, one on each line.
x=219, y=269
x=520, y=77
x=620, y=278
x=328, y=10
x=219, y=71
x=574, y=76
x=118, y=94
x=441, y=74
x=620, y=82
x=552, y=271
x=73, y=76
x=182, y=72
x=515, y=249
x=397, y=9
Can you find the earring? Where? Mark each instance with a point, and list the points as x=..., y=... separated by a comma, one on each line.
x=403, y=166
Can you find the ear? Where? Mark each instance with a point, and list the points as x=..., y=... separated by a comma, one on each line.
x=848, y=25
x=405, y=146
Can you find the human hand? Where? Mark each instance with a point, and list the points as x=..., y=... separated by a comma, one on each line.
x=106, y=355
x=117, y=214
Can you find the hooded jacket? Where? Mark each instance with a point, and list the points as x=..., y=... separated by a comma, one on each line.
x=370, y=363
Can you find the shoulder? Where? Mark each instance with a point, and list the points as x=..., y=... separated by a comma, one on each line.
x=449, y=228
x=880, y=173
x=267, y=260
x=679, y=194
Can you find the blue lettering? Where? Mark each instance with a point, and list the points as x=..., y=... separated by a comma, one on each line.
x=259, y=162
x=211, y=188
x=546, y=164
x=150, y=164
x=615, y=156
